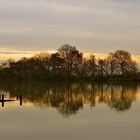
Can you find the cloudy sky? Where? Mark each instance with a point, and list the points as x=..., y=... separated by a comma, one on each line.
x=99, y=26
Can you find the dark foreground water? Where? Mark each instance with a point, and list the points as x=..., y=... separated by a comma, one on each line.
x=62, y=111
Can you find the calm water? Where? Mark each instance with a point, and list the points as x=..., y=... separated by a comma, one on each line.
x=62, y=111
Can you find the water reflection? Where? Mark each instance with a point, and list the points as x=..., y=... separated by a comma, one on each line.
x=70, y=98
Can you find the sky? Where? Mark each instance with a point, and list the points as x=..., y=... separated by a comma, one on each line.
x=97, y=26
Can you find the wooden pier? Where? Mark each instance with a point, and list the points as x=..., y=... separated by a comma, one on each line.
x=3, y=101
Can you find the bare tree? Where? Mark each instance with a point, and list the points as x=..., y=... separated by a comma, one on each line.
x=124, y=62
x=71, y=57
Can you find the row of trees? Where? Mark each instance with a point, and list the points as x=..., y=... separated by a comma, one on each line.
x=68, y=63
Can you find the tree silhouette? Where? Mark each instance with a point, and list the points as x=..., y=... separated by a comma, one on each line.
x=72, y=57
x=68, y=64
x=124, y=62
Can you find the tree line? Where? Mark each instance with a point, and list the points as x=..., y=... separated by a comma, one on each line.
x=68, y=63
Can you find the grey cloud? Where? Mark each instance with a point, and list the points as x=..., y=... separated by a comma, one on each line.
x=46, y=24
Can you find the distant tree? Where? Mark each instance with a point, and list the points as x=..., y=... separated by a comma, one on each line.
x=124, y=62
x=72, y=57
x=92, y=64
x=57, y=63
x=85, y=69
x=111, y=63
x=101, y=66
x=43, y=59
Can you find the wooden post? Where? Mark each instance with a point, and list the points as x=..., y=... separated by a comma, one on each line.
x=20, y=100
x=17, y=97
x=2, y=100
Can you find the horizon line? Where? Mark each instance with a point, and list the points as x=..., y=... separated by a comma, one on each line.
x=18, y=54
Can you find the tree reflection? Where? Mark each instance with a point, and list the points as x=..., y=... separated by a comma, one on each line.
x=125, y=100
x=69, y=98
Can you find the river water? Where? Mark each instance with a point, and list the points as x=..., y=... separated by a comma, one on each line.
x=69, y=111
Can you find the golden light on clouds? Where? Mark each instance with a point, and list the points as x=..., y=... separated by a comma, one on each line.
x=136, y=58
x=16, y=55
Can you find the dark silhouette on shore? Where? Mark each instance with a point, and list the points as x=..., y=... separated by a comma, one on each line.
x=69, y=64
